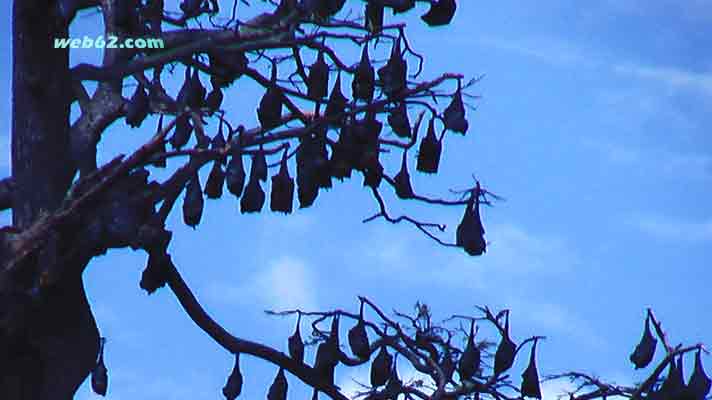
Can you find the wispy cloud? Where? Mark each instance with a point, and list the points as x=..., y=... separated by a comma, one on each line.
x=669, y=163
x=546, y=49
x=560, y=52
x=675, y=229
x=674, y=77
x=286, y=283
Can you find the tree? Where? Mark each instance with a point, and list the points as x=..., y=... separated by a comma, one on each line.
x=49, y=340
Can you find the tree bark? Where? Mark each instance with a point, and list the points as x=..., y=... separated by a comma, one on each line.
x=54, y=348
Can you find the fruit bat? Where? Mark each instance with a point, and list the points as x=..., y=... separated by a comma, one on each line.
x=448, y=366
x=307, y=184
x=401, y=181
x=214, y=99
x=269, y=111
x=674, y=383
x=259, y=165
x=278, y=389
x=216, y=179
x=645, y=349
x=233, y=386
x=374, y=16
x=161, y=162
x=235, y=175
x=138, y=107
x=218, y=142
x=193, y=202
x=286, y=7
x=202, y=140
x=327, y=358
x=197, y=91
x=227, y=65
x=394, y=386
x=125, y=14
x=318, y=78
x=530, y=377
x=100, y=376
x=373, y=175
x=295, y=344
x=320, y=158
x=340, y=162
x=183, y=98
x=358, y=338
x=182, y=131
x=469, y=362
x=454, y=114
x=362, y=86
x=323, y=9
x=68, y=9
x=337, y=103
x=153, y=14
x=699, y=383
x=423, y=341
x=191, y=8
x=381, y=367
x=155, y=274
x=506, y=350
x=399, y=6
x=398, y=121
x=470, y=232
x=429, y=151
x=254, y=197
x=282, y=195
x=393, y=75
x=334, y=332
x=440, y=13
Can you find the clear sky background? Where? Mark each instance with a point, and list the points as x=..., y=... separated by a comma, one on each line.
x=594, y=123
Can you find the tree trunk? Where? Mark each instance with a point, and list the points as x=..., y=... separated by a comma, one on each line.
x=58, y=343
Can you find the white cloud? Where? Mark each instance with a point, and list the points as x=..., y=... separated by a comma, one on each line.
x=285, y=283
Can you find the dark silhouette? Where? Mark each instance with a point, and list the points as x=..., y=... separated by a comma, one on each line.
x=66, y=209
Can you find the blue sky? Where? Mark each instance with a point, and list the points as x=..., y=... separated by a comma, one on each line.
x=593, y=123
